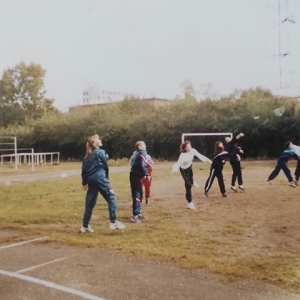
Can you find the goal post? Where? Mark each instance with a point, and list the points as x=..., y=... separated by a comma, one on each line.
x=9, y=143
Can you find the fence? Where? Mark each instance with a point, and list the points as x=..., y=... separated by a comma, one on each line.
x=26, y=158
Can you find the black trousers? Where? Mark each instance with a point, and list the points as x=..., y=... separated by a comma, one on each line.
x=215, y=173
x=237, y=172
x=187, y=175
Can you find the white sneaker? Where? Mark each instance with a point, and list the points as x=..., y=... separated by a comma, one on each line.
x=233, y=188
x=86, y=229
x=241, y=187
x=135, y=219
x=191, y=205
x=196, y=185
x=292, y=184
x=117, y=225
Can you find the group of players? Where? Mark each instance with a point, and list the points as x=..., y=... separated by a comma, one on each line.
x=184, y=164
x=95, y=174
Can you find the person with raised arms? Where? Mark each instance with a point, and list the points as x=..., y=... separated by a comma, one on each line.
x=184, y=164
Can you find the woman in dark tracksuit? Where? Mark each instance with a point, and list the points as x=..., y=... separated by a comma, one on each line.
x=95, y=179
x=216, y=169
x=235, y=161
x=138, y=171
x=282, y=164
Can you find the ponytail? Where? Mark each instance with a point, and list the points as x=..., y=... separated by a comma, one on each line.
x=90, y=144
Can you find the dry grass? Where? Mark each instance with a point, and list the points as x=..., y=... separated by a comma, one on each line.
x=240, y=238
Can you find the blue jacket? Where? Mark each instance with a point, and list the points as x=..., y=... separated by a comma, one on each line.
x=138, y=164
x=96, y=163
x=287, y=154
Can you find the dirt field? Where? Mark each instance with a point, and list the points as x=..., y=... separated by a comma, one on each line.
x=270, y=214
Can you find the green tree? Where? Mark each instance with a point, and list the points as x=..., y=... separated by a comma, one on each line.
x=22, y=94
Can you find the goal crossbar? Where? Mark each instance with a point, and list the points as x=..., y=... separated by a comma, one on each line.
x=205, y=134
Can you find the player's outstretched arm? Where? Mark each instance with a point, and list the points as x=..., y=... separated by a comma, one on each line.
x=240, y=135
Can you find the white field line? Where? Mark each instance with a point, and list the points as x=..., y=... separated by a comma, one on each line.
x=51, y=285
x=40, y=265
x=22, y=243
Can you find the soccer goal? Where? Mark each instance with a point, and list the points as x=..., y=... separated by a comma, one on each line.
x=184, y=135
x=206, y=144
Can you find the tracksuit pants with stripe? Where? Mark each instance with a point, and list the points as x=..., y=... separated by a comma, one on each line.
x=187, y=175
x=98, y=182
x=136, y=193
x=215, y=173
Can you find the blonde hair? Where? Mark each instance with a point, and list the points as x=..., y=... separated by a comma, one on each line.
x=90, y=144
x=138, y=144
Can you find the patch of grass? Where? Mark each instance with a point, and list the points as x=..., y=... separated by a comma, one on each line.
x=54, y=208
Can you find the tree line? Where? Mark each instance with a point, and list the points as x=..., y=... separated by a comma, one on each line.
x=37, y=124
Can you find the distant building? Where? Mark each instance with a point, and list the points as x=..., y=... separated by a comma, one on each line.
x=92, y=94
x=156, y=102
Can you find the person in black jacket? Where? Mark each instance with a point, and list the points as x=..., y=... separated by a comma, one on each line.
x=94, y=175
x=216, y=168
x=235, y=161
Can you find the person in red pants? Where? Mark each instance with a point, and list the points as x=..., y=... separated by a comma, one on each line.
x=146, y=182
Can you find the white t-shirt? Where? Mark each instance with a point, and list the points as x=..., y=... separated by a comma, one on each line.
x=296, y=149
x=185, y=159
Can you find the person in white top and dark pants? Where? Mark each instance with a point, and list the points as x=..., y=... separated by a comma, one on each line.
x=184, y=164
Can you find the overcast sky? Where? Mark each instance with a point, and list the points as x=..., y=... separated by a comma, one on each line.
x=151, y=47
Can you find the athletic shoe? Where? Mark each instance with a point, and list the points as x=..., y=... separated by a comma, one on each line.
x=117, y=225
x=147, y=200
x=292, y=184
x=205, y=194
x=86, y=229
x=269, y=181
x=233, y=188
x=296, y=181
x=196, y=185
x=141, y=217
x=241, y=187
x=135, y=219
x=191, y=205
x=224, y=195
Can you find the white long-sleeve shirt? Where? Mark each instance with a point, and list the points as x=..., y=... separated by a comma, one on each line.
x=185, y=159
x=296, y=149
